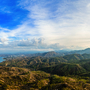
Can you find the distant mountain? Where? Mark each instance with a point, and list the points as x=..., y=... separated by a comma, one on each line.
x=87, y=51
x=63, y=52
x=75, y=57
x=50, y=54
x=47, y=54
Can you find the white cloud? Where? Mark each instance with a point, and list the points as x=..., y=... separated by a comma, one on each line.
x=2, y=40
x=67, y=26
x=33, y=44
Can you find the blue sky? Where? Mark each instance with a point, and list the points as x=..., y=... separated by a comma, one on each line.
x=44, y=25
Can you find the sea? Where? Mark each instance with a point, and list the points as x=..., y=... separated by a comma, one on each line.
x=1, y=59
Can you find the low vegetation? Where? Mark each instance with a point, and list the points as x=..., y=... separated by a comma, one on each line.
x=70, y=72
x=13, y=78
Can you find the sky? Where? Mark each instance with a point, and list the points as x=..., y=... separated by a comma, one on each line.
x=44, y=25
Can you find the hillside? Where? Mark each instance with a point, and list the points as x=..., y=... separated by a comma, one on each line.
x=13, y=78
x=33, y=62
x=21, y=79
x=70, y=72
x=55, y=65
x=40, y=62
x=74, y=57
x=64, y=69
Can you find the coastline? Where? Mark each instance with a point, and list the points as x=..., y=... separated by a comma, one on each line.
x=2, y=59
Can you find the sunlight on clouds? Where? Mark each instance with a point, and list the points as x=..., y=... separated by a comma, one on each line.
x=65, y=28
x=88, y=5
x=33, y=44
x=3, y=40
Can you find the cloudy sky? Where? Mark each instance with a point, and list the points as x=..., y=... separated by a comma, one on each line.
x=44, y=25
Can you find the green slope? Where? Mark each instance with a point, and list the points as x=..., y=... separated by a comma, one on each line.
x=13, y=78
x=65, y=69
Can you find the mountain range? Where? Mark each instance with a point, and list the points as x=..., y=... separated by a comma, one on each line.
x=46, y=71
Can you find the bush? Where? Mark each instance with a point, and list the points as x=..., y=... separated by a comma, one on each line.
x=43, y=82
x=57, y=79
